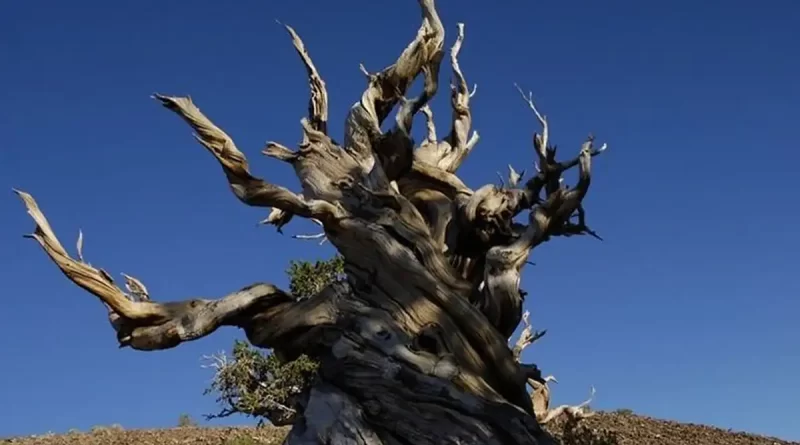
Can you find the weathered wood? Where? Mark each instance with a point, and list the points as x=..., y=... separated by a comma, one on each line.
x=414, y=345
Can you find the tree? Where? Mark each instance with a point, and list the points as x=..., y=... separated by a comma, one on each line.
x=261, y=385
x=185, y=420
x=413, y=346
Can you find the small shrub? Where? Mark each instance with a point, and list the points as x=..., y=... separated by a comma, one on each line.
x=185, y=421
x=624, y=412
x=99, y=429
x=260, y=385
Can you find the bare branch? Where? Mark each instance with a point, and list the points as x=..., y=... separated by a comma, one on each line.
x=513, y=176
x=540, y=142
x=549, y=172
x=572, y=198
x=249, y=189
x=146, y=325
x=576, y=412
x=79, y=245
x=564, y=166
x=364, y=71
x=450, y=153
x=316, y=236
x=460, y=82
x=527, y=337
x=541, y=402
x=430, y=137
x=409, y=107
x=318, y=104
x=87, y=277
x=585, y=165
x=462, y=115
x=579, y=228
x=192, y=319
x=136, y=288
x=388, y=87
x=502, y=181
x=215, y=361
x=502, y=299
x=473, y=140
x=280, y=152
x=278, y=218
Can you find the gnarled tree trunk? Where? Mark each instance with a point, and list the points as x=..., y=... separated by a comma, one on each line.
x=413, y=347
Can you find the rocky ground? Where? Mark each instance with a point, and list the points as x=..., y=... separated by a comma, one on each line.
x=602, y=429
x=630, y=429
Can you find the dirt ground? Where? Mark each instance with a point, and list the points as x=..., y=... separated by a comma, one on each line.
x=629, y=429
x=602, y=429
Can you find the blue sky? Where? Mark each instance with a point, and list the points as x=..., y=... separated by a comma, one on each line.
x=687, y=311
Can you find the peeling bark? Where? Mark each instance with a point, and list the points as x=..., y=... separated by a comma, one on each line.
x=414, y=345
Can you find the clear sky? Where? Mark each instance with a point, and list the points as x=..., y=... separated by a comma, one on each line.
x=687, y=311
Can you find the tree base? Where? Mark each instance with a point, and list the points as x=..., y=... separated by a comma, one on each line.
x=374, y=400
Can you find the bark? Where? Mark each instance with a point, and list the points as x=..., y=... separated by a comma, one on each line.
x=414, y=345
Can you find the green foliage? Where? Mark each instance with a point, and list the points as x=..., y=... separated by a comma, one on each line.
x=185, y=420
x=259, y=385
x=624, y=412
x=307, y=279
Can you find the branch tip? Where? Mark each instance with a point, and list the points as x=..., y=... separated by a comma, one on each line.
x=79, y=245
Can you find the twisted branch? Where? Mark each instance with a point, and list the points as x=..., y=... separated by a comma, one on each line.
x=451, y=152
x=318, y=103
x=147, y=325
x=249, y=189
x=387, y=88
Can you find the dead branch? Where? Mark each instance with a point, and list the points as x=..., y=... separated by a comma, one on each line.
x=514, y=177
x=317, y=236
x=87, y=277
x=136, y=288
x=318, y=104
x=502, y=301
x=79, y=245
x=578, y=228
x=249, y=189
x=216, y=361
x=278, y=218
x=280, y=152
x=540, y=141
x=430, y=136
x=462, y=116
x=576, y=412
x=527, y=337
x=450, y=153
x=147, y=325
x=549, y=170
x=387, y=88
